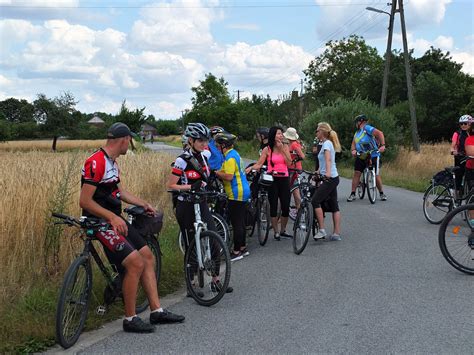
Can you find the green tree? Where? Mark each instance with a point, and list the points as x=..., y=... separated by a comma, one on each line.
x=210, y=92
x=56, y=115
x=347, y=67
x=15, y=110
x=167, y=127
x=133, y=119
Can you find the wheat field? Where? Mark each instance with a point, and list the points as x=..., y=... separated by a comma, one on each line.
x=31, y=183
x=45, y=145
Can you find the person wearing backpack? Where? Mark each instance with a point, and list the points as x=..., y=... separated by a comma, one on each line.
x=367, y=138
x=458, y=143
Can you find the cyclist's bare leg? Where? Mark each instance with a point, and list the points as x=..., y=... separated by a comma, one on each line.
x=297, y=197
x=275, y=225
x=336, y=220
x=378, y=182
x=148, y=278
x=134, y=265
x=320, y=217
x=355, y=180
x=283, y=223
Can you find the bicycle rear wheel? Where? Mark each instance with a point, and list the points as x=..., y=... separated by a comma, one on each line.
x=293, y=209
x=142, y=299
x=251, y=217
x=263, y=220
x=371, y=186
x=222, y=228
x=456, y=238
x=437, y=202
x=302, y=227
x=201, y=283
x=73, y=303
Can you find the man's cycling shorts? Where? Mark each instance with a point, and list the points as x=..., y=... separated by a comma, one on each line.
x=359, y=164
x=117, y=247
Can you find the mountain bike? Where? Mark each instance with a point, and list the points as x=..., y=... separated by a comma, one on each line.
x=260, y=204
x=207, y=258
x=442, y=195
x=77, y=287
x=368, y=177
x=305, y=221
x=456, y=238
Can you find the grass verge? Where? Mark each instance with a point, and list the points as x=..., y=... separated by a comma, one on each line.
x=27, y=324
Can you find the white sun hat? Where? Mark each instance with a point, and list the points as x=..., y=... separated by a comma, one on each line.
x=291, y=134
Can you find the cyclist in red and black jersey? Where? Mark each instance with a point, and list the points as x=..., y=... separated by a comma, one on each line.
x=191, y=172
x=101, y=196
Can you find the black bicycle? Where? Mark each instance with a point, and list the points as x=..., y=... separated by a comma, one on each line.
x=77, y=287
x=456, y=238
x=258, y=209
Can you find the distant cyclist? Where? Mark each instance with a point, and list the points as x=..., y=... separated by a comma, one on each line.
x=237, y=189
x=458, y=147
x=367, y=138
x=191, y=172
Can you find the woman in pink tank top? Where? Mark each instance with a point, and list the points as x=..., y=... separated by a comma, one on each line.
x=277, y=157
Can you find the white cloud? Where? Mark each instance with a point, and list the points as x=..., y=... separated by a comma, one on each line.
x=425, y=11
x=466, y=59
x=181, y=24
x=443, y=42
x=4, y=81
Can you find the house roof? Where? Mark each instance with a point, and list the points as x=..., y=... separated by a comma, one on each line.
x=148, y=127
x=95, y=119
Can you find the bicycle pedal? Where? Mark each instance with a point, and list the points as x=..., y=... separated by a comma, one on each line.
x=101, y=310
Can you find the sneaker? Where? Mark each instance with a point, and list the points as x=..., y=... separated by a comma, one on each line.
x=320, y=235
x=335, y=237
x=244, y=251
x=235, y=257
x=165, y=317
x=217, y=286
x=276, y=236
x=351, y=197
x=285, y=235
x=137, y=325
x=383, y=197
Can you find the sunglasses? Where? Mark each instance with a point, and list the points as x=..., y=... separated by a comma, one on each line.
x=464, y=123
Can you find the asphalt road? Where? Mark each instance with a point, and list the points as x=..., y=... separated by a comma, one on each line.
x=385, y=288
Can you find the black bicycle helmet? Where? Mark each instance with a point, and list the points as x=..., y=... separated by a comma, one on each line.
x=216, y=129
x=361, y=118
x=197, y=130
x=263, y=131
x=225, y=138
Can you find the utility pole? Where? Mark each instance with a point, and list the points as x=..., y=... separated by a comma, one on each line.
x=238, y=95
x=388, y=55
x=411, y=100
x=182, y=119
x=301, y=90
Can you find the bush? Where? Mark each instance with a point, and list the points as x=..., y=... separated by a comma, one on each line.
x=340, y=115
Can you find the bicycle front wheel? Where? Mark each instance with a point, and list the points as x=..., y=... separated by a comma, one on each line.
x=142, y=299
x=293, y=209
x=371, y=186
x=361, y=186
x=251, y=217
x=207, y=285
x=73, y=303
x=456, y=238
x=437, y=202
x=263, y=220
x=302, y=227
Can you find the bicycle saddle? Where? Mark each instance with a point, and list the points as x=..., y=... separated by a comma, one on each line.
x=135, y=210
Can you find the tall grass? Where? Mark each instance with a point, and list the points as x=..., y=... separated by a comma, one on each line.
x=45, y=145
x=33, y=185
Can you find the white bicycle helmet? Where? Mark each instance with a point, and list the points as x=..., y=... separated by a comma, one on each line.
x=465, y=118
x=197, y=130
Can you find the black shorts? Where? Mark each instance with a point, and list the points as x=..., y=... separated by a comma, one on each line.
x=359, y=164
x=118, y=247
x=326, y=196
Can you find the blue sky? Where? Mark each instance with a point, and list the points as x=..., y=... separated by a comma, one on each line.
x=152, y=52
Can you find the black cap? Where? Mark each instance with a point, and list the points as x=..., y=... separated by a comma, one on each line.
x=119, y=130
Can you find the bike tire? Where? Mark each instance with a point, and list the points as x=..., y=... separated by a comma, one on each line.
x=302, y=227
x=437, y=202
x=293, y=208
x=263, y=220
x=199, y=282
x=142, y=300
x=73, y=302
x=361, y=187
x=371, y=186
x=456, y=238
x=251, y=217
x=222, y=228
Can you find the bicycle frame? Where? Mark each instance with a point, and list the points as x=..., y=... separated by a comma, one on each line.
x=199, y=226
